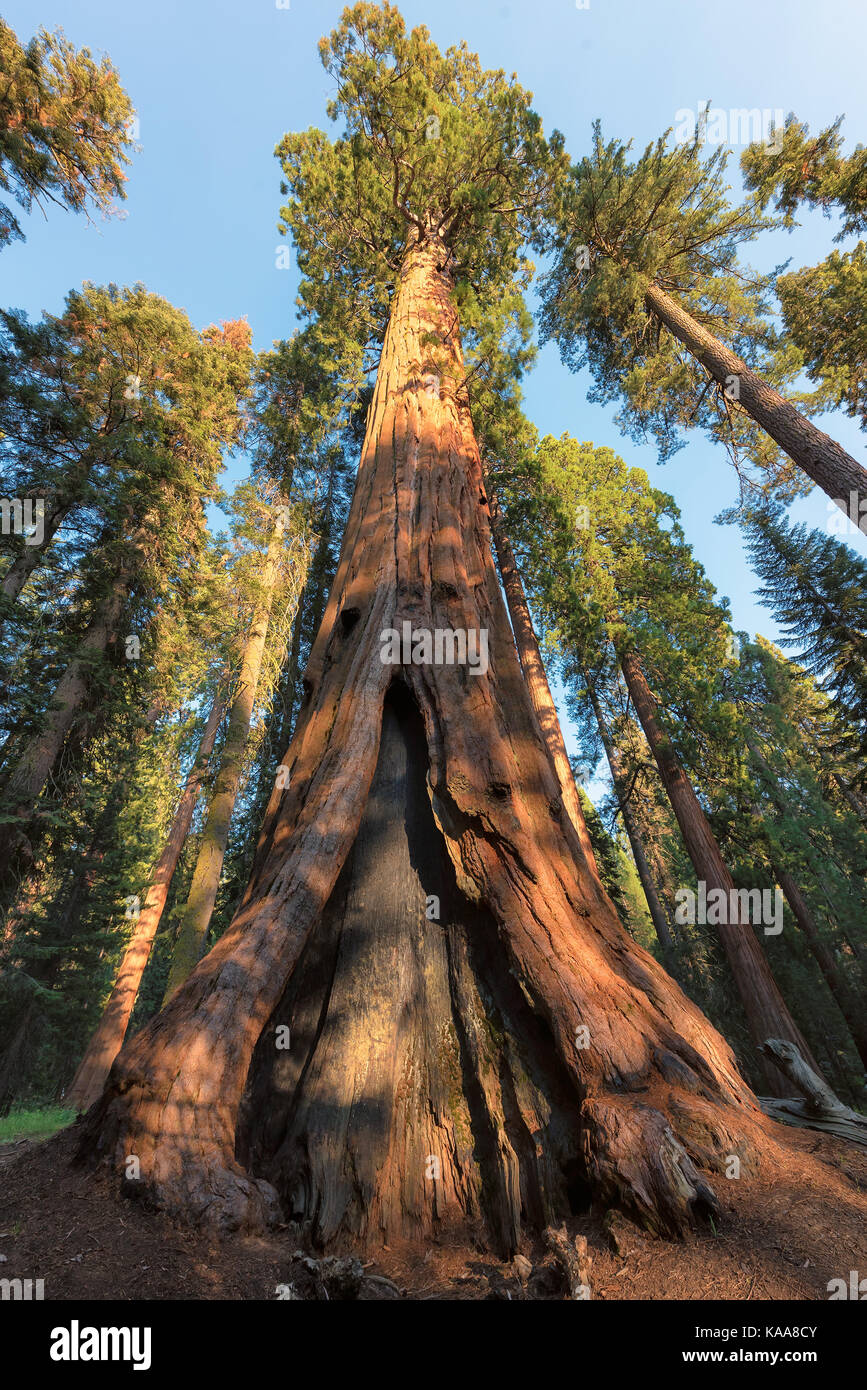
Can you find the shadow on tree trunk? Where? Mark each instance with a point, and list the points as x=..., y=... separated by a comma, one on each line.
x=418, y=1089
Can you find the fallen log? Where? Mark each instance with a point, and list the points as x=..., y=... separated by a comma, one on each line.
x=818, y=1107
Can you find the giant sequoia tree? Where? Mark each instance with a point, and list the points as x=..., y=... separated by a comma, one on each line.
x=474, y=1036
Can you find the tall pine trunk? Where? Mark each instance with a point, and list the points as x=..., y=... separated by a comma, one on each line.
x=534, y=674
x=765, y=1009
x=199, y=907
x=660, y=922
x=422, y=1075
x=108, y=1039
x=823, y=460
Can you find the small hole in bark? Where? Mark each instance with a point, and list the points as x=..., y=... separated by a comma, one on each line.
x=348, y=618
x=307, y=689
x=443, y=589
x=578, y=1190
x=703, y=1210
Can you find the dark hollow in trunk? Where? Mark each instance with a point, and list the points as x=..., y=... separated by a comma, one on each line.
x=419, y=1091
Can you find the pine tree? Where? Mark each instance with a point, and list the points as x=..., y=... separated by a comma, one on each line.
x=824, y=305
x=65, y=127
x=798, y=168
x=814, y=846
x=647, y=291
x=658, y=915
x=816, y=588
x=108, y=1039
x=127, y=521
x=825, y=309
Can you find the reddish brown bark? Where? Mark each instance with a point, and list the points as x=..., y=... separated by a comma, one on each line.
x=765, y=1009
x=534, y=674
x=108, y=1039
x=653, y=1096
x=823, y=460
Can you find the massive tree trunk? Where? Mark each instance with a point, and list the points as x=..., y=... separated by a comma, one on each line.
x=534, y=674
x=664, y=934
x=765, y=1009
x=519, y=1051
x=108, y=1039
x=823, y=460
x=196, y=917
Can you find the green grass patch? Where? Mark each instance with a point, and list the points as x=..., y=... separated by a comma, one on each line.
x=34, y=1124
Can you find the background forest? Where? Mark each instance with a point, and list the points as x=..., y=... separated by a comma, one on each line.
x=176, y=494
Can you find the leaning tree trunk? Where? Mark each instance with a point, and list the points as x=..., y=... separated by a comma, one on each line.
x=505, y=1058
x=765, y=1009
x=108, y=1039
x=534, y=674
x=215, y=835
x=657, y=913
x=823, y=460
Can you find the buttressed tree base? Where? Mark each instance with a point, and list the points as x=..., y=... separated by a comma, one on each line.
x=485, y=1061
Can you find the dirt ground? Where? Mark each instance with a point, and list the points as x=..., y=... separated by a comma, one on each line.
x=783, y=1235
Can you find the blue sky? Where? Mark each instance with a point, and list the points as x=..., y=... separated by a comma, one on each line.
x=216, y=84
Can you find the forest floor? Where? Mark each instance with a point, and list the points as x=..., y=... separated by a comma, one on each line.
x=783, y=1235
